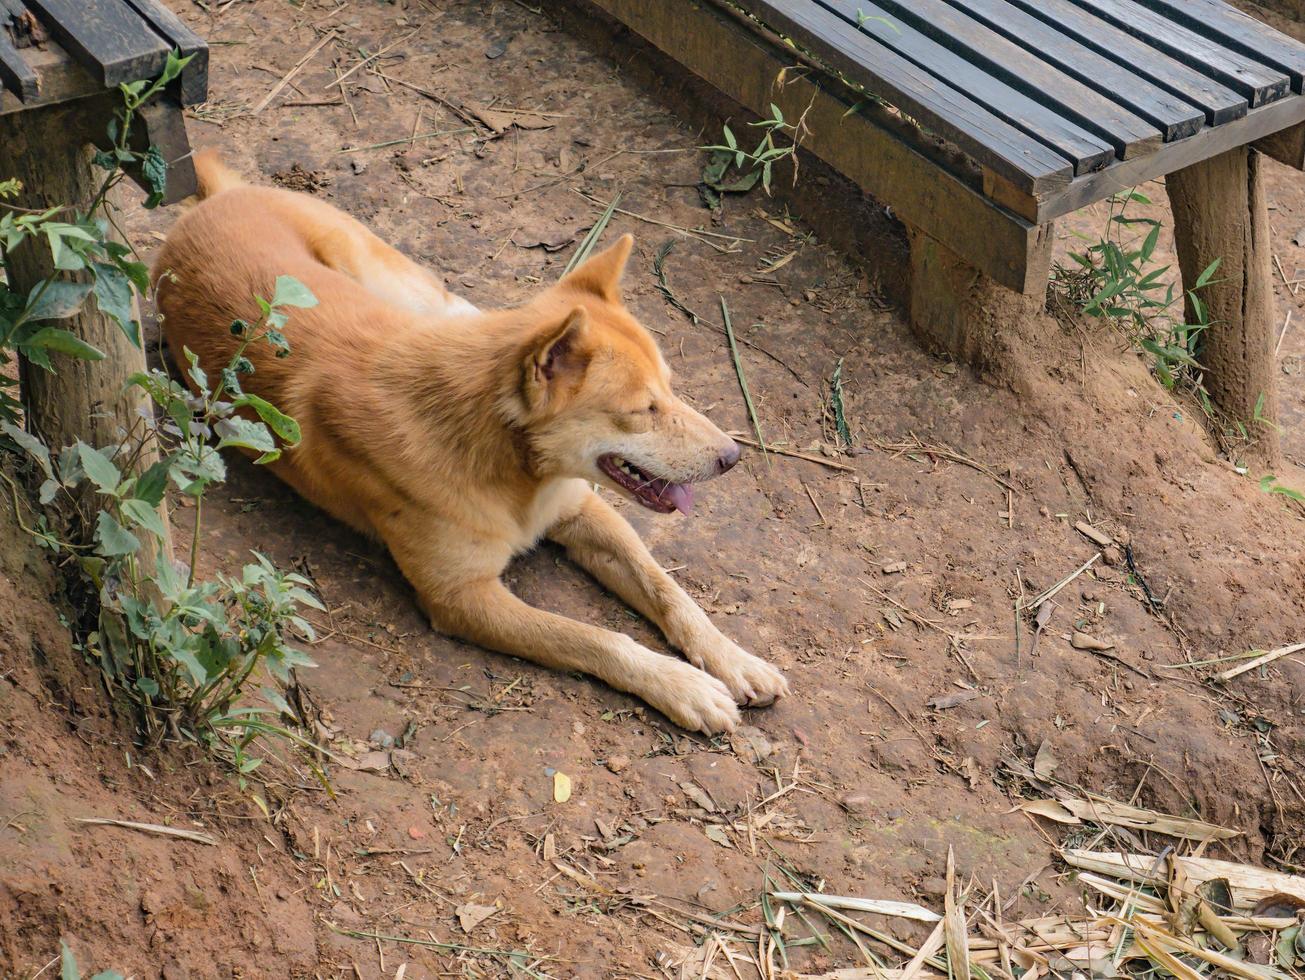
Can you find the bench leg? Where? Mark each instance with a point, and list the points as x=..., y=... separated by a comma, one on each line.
x=48, y=150
x=956, y=309
x=1220, y=213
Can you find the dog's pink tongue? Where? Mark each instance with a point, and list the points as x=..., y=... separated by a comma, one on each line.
x=681, y=495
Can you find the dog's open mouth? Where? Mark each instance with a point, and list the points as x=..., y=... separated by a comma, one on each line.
x=653, y=492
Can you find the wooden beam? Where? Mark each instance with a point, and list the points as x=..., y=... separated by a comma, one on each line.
x=1286, y=146
x=736, y=61
x=1220, y=213
x=1209, y=142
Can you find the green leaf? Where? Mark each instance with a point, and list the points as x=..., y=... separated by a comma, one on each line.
x=58, y=300
x=113, y=294
x=153, y=483
x=63, y=341
x=286, y=428
x=141, y=514
x=68, y=963
x=1208, y=274
x=155, y=171
x=196, y=373
x=113, y=538
x=290, y=291
x=99, y=468
x=244, y=434
x=187, y=659
x=34, y=447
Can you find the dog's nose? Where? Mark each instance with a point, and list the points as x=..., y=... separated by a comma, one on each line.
x=728, y=458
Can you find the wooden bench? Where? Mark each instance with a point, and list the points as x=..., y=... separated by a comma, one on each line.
x=61, y=62
x=982, y=121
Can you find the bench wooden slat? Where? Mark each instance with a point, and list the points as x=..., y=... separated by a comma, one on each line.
x=1240, y=32
x=194, y=77
x=107, y=37
x=15, y=73
x=1128, y=132
x=1177, y=118
x=1252, y=78
x=1220, y=103
x=990, y=141
x=1086, y=151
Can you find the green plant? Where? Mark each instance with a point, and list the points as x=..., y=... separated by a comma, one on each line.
x=180, y=650
x=1116, y=279
x=1269, y=484
x=176, y=651
x=78, y=242
x=754, y=165
x=68, y=969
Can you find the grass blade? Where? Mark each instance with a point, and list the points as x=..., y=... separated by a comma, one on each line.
x=743, y=381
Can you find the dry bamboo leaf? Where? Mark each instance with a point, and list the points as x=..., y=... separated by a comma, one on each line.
x=905, y=910
x=955, y=932
x=1249, y=884
x=912, y=969
x=1101, y=810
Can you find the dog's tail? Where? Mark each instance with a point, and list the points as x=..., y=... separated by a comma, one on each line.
x=212, y=175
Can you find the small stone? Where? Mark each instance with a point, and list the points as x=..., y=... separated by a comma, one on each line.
x=616, y=763
x=283, y=894
x=416, y=833
x=358, y=166
x=382, y=739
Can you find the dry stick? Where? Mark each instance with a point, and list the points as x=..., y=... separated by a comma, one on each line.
x=152, y=828
x=371, y=58
x=1283, y=336
x=453, y=107
x=408, y=139
x=743, y=381
x=288, y=76
x=941, y=452
x=691, y=232
x=1267, y=658
x=832, y=464
x=1055, y=589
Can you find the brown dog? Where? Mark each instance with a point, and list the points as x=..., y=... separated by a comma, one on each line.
x=462, y=438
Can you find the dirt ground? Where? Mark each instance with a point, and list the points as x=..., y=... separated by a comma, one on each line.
x=879, y=580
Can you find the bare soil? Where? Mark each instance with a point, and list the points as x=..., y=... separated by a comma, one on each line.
x=879, y=580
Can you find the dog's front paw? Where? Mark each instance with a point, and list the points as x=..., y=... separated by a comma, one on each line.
x=692, y=698
x=750, y=679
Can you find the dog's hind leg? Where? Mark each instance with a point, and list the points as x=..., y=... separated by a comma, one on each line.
x=602, y=542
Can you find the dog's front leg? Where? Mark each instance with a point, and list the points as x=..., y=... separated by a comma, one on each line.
x=601, y=541
x=477, y=606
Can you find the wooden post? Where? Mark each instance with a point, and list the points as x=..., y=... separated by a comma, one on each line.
x=958, y=310
x=48, y=149
x=1220, y=213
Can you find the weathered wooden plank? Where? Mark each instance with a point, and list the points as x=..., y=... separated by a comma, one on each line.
x=163, y=126
x=1287, y=146
x=108, y=38
x=1086, y=151
x=1126, y=131
x=62, y=80
x=1220, y=103
x=992, y=142
x=15, y=73
x=1240, y=32
x=745, y=68
x=1252, y=78
x=194, y=77
x=1176, y=117
x=1255, y=125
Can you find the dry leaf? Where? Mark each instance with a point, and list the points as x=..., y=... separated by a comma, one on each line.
x=715, y=832
x=561, y=787
x=699, y=796
x=1045, y=762
x=944, y=701
x=470, y=916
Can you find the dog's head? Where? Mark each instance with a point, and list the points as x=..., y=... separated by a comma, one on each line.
x=597, y=395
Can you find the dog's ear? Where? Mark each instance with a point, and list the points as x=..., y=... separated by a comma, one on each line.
x=601, y=273
x=557, y=357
